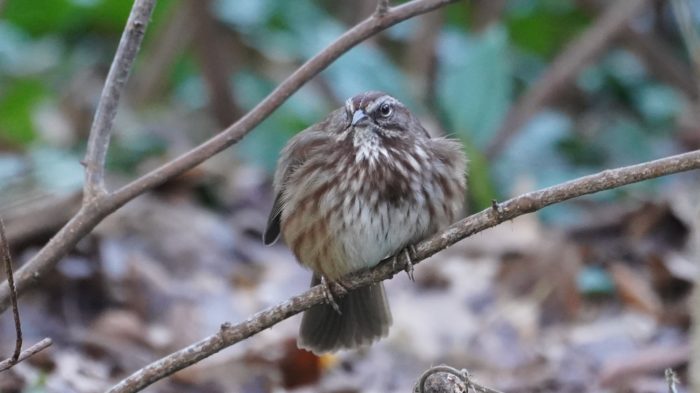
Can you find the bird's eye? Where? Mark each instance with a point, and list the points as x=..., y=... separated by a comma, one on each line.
x=385, y=110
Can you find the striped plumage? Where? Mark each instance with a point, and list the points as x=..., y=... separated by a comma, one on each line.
x=360, y=186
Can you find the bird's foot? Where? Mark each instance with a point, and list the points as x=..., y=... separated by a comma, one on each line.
x=408, y=251
x=328, y=289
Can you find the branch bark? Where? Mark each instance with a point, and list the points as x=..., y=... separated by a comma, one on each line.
x=231, y=334
x=7, y=258
x=96, y=209
x=446, y=379
x=101, y=129
x=34, y=349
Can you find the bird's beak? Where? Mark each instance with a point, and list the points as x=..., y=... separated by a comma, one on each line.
x=357, y=116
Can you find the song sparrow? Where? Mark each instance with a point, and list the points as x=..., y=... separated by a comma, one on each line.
x=360, y=186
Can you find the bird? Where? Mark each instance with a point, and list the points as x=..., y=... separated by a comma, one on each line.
x=364, y=184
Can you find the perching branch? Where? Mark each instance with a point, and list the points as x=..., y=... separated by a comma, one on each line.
x=34, y=349
x=7, y=258
x=448, y=379
x=101, y=129
x=17, y=355
x=498, y=213
x=102, y=204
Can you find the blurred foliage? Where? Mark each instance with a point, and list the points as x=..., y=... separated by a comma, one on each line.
x=544, y=27
x=54, y=55
x=16, y=109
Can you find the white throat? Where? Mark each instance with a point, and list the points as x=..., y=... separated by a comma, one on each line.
x=368, y=146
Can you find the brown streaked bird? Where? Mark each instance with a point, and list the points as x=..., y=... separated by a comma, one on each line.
x=362, y=185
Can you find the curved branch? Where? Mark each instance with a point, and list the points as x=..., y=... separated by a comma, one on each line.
x=101, y=206
x=444, y=381
x=7, y=258
x=31, y=351
x=233, y=134
x=498, y=213
x=101, y=129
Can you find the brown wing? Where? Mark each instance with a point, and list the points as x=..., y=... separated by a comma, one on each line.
x=272, y=230
x=291, y=158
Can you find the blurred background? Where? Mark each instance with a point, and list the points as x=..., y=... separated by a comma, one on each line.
x=586, y=296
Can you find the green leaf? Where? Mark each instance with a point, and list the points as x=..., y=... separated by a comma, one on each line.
x=73, y=16
x=474, y=83
x=546, y=27
x=51, y=17
x=17, y=104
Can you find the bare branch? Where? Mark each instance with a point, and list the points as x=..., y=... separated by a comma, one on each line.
x=565, y=67
x=448, y=379
x=492, y=216
x=98, y=208
x=31, y=351
x=303, y=74
x=671, y=380
x=101, y=129
x=13, y=292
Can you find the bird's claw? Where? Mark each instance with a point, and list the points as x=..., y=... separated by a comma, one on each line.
x=328, y=292
x=409, y=262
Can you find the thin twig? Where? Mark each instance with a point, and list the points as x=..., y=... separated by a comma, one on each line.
x=98, y=208
x=527, y=203
x=671, y=380
x=382, y=7
x=13, y=292
x=234, y=133
x=31, y=351
x=565, y=68
x=101, y=129
x=462, y=374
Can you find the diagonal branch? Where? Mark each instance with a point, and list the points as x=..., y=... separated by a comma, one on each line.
x=101, y=129
x=234, y=133
x=98, y=208
x=527, y=203
x=7, y=258
x=31, y=351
